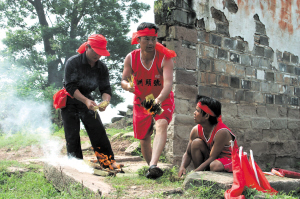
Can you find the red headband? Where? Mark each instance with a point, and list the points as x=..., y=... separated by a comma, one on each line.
x=98, y=44
x=207, y=110
x=151, y=33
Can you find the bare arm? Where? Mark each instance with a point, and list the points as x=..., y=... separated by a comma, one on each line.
x=168, y=80
x=221, y=139
x=186, y=158
x=127, y=74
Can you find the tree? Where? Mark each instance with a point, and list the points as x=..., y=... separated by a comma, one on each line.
x=42, y=34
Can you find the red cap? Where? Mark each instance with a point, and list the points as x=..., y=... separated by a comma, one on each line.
x=97, y=43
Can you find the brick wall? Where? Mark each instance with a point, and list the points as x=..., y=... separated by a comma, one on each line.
x=259, y=88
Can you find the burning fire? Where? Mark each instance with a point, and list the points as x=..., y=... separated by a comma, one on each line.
x=105, y=161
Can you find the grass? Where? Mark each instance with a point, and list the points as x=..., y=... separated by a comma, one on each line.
x=32, y=183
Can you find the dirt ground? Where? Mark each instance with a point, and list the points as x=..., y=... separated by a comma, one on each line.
x=27, y=154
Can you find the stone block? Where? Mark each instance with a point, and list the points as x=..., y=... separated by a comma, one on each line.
x=294, y=101
x=222, y=54
x=228, y=44
x=297, y=71
x=239, y=46
x=259, y=148
x=186, y=57
x=215, y=40
x=249, y=96
x=261, y=111
x=182, y=132
x=219, y=66
x=263, y=40
x=162, y=33
x=210, y=79
x=258, y=97
x=279, y=99
x=240, y=95
x=179, y=16
x=235, y=82
x=245, y=60
x=279, y=78
x=270, y=135
x=181, y=106
x=260, y=123
x=297, y=92
x=269, y=76
x=245, y=84
x=237, y=122
x=276, y=148
x=229, y=110
x=288, y=135
x=246, y=110
x=260, y=28
x=203, y=36
x=250, y=72
x=228, y=94
x=230, y=69
x=293, y=113
x=235, y=58
x=279, y=123
x=259, y=51
x=260, y=74
x=222, y=28
x=255, y=86
x=264, y=63
x=209, y=52
x=204, y=65
x=282, y=111
x=183, y=33
x=290, y=69
x=282, y=67
x=183, y=119
x=223, y=80
x=204, y=90
x=216, y=93
x=182, y=91
x=279, y=55
x=251, y=135
x=269, y=53
x=185, y=77
x=240, y=71
x=269, y=99
x=283, y=162
x=294, y=59
x=286, y=56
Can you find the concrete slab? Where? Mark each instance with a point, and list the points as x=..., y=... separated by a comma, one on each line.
x=62, y=176
x=224, y=180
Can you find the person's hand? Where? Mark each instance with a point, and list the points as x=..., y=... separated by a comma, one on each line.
x=182, y=171
x=102, y=106
x=130, y=88
x=90, y=104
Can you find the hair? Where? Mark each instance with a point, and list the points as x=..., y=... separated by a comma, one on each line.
x=213, y=104
x=144, y=25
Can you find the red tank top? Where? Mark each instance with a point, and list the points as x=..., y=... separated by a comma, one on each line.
x=226, y=152
x=147, y=81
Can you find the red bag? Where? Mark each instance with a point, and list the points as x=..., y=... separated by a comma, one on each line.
x=60, y=98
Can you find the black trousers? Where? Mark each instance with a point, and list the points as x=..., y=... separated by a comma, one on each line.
x=71, y=116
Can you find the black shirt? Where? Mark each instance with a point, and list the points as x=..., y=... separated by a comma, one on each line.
x=80, y=75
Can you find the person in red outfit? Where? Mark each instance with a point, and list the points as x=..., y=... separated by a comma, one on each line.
x=209, y=147
x=152, y=68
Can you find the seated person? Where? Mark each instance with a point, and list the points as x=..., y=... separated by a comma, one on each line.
x=209, y=147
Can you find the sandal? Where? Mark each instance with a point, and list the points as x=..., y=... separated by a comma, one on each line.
x=154, y=172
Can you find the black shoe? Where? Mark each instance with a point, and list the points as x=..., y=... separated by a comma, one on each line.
x=154, y=172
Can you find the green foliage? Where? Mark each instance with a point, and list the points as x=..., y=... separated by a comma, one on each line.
x=42, y=35
x=33, y=184
x=17, y=141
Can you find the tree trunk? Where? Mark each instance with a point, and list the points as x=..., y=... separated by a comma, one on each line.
x=54, y=76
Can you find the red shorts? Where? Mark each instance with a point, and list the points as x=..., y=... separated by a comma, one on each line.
x=143, y=122
x=227, y=163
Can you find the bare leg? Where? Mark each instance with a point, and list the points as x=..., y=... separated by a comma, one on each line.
x=216, y=165
x=159, y=140
x=199, y=152
x=146, y=148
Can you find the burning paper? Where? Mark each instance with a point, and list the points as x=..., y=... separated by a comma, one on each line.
x=151, y=107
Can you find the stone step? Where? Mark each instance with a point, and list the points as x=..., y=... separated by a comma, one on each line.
x=224, y=180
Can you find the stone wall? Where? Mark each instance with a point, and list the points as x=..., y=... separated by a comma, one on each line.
x=245, y=67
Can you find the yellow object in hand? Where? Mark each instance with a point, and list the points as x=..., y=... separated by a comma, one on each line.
x=102, y=105
x=131, y=81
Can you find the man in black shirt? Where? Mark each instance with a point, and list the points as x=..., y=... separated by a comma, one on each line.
x=83, y=74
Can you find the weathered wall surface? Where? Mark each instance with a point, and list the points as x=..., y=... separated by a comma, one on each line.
x=245, y=54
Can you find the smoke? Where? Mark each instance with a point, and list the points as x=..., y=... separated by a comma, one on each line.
x=24, y=110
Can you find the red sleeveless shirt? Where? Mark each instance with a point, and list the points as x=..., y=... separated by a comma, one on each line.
x=147, y=81
x=226, y=152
